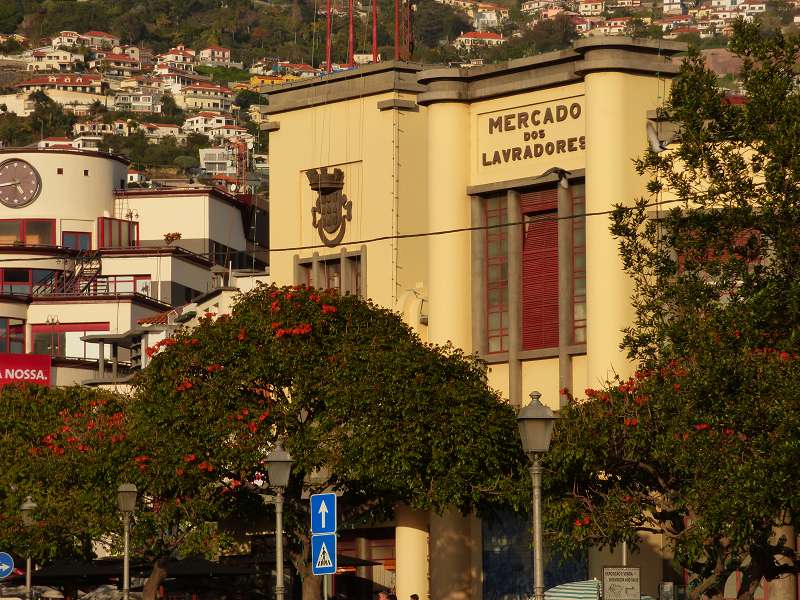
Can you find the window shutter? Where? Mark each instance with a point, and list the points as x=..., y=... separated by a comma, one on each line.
x=539, y=201
x=540, y=281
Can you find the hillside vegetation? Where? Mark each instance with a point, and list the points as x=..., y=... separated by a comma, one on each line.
x=254, y=29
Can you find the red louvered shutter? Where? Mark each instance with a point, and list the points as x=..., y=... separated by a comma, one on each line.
x=540, y=271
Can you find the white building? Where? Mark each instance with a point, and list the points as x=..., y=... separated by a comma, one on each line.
x=203, y=122
x=214, y=56
x=477, y=39
x=203, y=95
x=81, y=256
x=591, y=8
x=142, y=99
x=218, y=161
x=47, y=59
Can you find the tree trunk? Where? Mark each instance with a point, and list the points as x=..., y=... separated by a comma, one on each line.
x=312, y=586
x=312, y=590
x=157, y=577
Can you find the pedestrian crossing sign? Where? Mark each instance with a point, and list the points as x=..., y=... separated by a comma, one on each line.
x=323, y=554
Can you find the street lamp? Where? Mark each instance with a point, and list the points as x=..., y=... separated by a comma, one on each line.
x=126, y=501
x=536, y=423
x=27, y=509
x=279, y=465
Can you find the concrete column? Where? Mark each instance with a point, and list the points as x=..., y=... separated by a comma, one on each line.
x=514, y=262
x=362, y=551
x=449, y=208
x=451, y=557
x=616, y=111
x=316, y=272
x=450, y=311
x=785, y=588
x=565, y=306
x=478, y=241
x=411, y=552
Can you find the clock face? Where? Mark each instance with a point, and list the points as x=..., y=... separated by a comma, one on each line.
x=20, y=183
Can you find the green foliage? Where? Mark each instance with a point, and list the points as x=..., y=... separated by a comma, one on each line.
x=702, y=445
x=63, y=447
x=435, y=22
x=246, y=98
x=48, y=118
x=223, y=75
x=362, y=403
x=162, y=154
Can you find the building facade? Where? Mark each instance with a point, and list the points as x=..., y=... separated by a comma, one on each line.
x=507, y=160
x=83, y=257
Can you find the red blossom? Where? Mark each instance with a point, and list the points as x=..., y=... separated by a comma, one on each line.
x=275, y=306
x=677, y=387
x=252, y=426
x=275, y=325
x=208, y=315
x=702, y=426
x=263, y=415
x=728, y=431
x=586, y=520
x=179, y=471
x=578, y=522
x=184, y=385
x=242, y=335
x=190, y=458
x=328, y=309
x=215, y=368
x=169, y=342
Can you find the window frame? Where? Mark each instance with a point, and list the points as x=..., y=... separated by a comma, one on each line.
x=76, y=233
x=5, y=335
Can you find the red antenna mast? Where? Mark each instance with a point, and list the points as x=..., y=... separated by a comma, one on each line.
x=350, y=60
x=328, y=67
x=374, y=31
x=397, y=29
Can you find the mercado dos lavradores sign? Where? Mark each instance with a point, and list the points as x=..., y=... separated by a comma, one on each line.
x=24, y=368
x=553, y=131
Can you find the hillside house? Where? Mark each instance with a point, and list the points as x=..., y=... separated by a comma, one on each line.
x=142, y=100
x=205, y=95
x=591, y=8
x=98, y=40
x=205, y=121
x=46, y=59
x=214, y=56
x=478, y=39
x=89, y=84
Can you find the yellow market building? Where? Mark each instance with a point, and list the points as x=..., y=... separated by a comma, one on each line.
x=399, y=182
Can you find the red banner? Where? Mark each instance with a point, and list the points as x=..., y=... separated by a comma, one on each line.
x=24, y=368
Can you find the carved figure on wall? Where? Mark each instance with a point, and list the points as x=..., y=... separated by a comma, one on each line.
x=332, y=209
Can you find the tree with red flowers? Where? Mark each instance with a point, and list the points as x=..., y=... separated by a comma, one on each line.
x=65, y=448
x=702, y=444
x=361, y=403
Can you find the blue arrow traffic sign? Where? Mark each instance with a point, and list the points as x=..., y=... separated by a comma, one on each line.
x=323, y=513
x=323, y=554
x=6, y=565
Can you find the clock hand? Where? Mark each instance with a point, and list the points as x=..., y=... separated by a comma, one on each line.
x=19, y=189
x=10, y=183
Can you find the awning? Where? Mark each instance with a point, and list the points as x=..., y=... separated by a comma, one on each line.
x=575, y=590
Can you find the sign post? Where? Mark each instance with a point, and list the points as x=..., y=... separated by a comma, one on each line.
x=621, y=583
x=323, y=537
x=6, y=565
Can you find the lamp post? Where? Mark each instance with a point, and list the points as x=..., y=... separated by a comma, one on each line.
x=27, y=509
x=279, y=466
x=536, y=423
x=126, y=501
